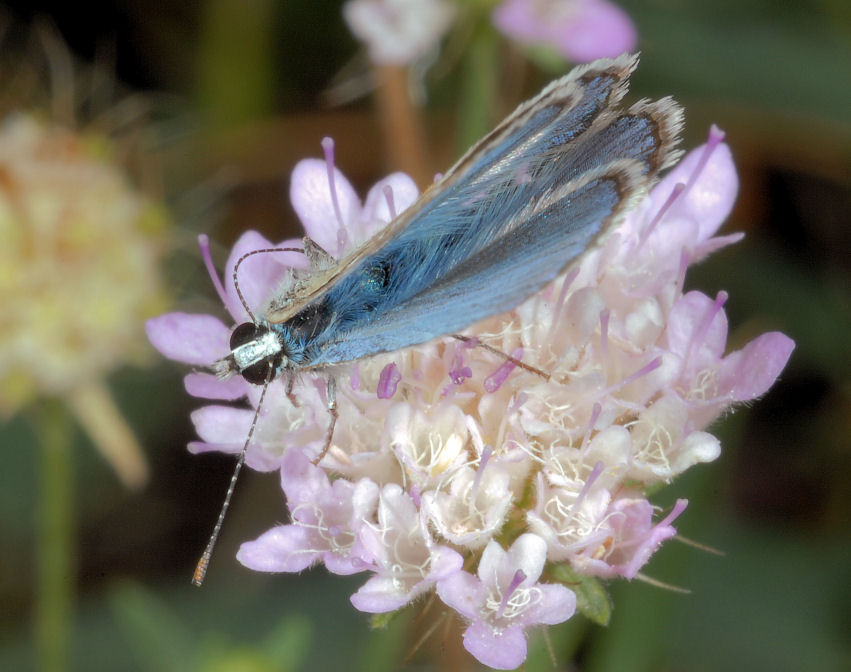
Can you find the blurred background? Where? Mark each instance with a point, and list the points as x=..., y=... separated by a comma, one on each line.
x=202, y=109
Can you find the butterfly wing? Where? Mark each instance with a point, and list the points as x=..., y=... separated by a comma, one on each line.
x=460, y=210
x=551, y=234
x=505, y=220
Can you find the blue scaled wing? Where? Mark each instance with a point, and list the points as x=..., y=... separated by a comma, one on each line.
x=512, y=214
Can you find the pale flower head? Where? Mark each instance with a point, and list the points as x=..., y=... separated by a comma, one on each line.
x=398, y=32
x=475, y=460
x=79, y=274
x=79, y=261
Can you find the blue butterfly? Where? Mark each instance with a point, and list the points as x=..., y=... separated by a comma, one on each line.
x=518, y=209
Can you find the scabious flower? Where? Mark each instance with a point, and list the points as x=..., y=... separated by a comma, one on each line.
x=398, y=32
x=579, y=30
x=445, y=451
x=504, y=599
x=78, y=274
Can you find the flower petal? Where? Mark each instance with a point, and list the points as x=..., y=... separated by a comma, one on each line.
x=379, y=595
x=710, y=199
x=503, y=651
x=193, y=339
x=463, y=592
x=222, y=424
x=208, y=386
x=260, y=276
x=282, y=549
x=755, y=367
x=310, y=194
x=596, y=29
x=556, y=605
x=376, y=210
x=529, y=554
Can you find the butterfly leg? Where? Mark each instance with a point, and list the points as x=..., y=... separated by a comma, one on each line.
x=331, y=391
x=319, y=259
x=499, y=353
x=289, y=392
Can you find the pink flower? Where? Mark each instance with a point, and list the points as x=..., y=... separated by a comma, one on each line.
x=505, y=599
x=201, y=339
x=327, y=518
x=441, y=447
x=407, y=561
x=579, y=30
x=631, y=539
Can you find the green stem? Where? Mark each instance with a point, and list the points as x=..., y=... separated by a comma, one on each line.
x=480, y=89
x=54, y=582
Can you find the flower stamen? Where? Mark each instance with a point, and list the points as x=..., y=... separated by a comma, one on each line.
x=494, y=381
x=204, y=245
x=388, y=380
x=716, y=137
x=388, y=195
x=328, y=150
x=676, y=192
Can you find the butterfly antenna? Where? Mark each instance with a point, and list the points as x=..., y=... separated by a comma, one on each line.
x=239, y=263
x=499, y=353
x=204, y=561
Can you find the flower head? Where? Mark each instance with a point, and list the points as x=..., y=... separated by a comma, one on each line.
x=326, y=522
x=460, y=445
x=79, y=271
x=579, y=30
x=79, y=259
x=504, y=599
x=398, y=32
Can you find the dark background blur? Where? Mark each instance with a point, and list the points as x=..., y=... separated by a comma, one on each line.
x=243, y=94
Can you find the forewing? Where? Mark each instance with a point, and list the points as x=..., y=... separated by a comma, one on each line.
x=473, y=204
x=536, y=241
x=550, y=235
x=510, y=216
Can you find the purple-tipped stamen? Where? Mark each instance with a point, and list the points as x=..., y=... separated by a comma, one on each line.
x=716, y=137
x=717, y=305
x=518, y=578
x=204, y=245
x=483, y=462
x=596, y=410
x=494, y=381
x=676, y=192
x=604, y=333
x=328, y=149
x=643, y=371
x=562, y=299
x=589, y=482
x=388, y=380
x=388, y=195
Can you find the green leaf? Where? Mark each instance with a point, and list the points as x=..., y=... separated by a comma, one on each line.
x=592, y=599
x=154, y=633
x=289, y=643
x=381, y=621
x=388, y=643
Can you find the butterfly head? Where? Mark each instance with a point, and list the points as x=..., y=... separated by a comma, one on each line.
x=257, y=354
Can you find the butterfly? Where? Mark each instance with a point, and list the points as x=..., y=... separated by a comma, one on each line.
x=517, y=210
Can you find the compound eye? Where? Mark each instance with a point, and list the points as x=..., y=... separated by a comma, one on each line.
x=244, y=333
x=259, y=373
